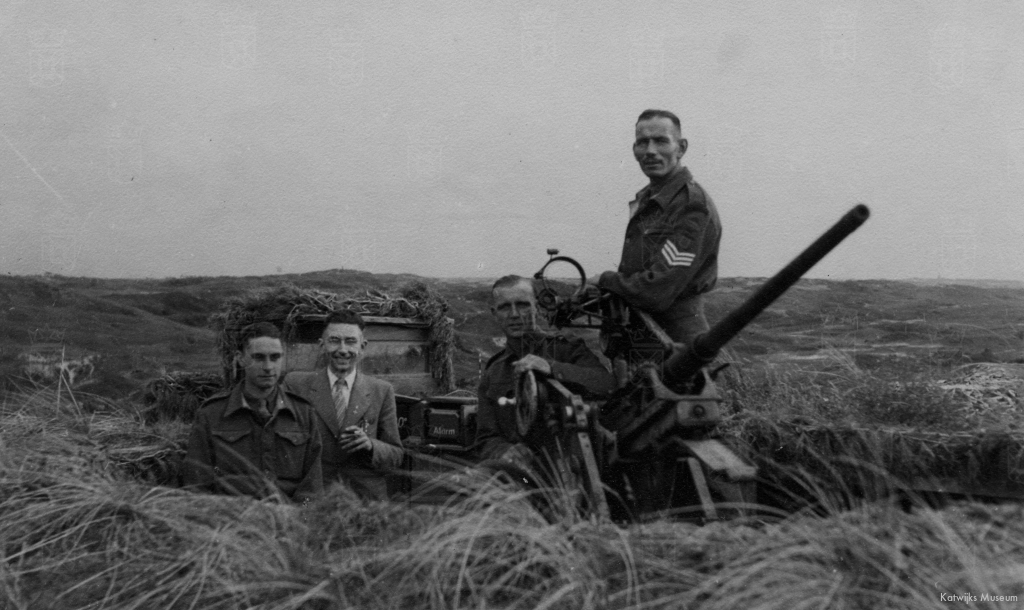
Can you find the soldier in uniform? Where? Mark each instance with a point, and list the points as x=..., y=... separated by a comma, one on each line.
x=567, y=359
x=670, y=255
x=258, y=439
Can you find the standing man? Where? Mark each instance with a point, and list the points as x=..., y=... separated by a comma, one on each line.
x=257, y=439
x=567, y=359
x=670, y=255
x=355, y=412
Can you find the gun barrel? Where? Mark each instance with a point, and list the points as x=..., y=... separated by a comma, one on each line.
x=684, y=363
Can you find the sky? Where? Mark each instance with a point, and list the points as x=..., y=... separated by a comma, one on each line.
x=462, y=139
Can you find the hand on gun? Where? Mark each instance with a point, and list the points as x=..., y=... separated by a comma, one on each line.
x=531, y=362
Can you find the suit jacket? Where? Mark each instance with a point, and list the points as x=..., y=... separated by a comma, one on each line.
x=371, y=401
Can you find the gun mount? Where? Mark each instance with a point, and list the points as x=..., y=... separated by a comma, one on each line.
x=650, y=445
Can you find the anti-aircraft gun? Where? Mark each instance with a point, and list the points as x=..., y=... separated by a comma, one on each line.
x=650, y=447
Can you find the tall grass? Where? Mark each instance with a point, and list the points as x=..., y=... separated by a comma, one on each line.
x=837, y=391
x=852, y=429
x=80, y=530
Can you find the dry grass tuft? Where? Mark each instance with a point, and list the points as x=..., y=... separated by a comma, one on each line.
x=178, y=395
x=40, y=432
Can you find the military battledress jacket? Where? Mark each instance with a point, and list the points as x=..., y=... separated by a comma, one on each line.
x=232, y=450
x=572, y=363
x=670, y=253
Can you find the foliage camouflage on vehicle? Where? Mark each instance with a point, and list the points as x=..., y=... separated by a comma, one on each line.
x=283, y=305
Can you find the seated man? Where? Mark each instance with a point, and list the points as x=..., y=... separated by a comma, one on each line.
x=257, y=439
x=355, y=412
x=567, y=359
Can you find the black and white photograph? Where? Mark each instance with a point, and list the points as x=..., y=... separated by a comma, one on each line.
x=511, y=305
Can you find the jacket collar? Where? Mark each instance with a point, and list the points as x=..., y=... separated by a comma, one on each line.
x=668, y=191
x=236, y=402
x=357, y=402
x=323, y=399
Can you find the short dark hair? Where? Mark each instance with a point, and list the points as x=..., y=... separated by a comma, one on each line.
x=255, y=331
x=507, y=281
x=652, y=113
x=344, y=316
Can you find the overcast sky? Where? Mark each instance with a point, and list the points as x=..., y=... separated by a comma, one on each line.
x=464, y=138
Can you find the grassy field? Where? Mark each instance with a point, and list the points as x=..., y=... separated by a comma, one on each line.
x=91, y=517
x=85, y=527
x=142, y=328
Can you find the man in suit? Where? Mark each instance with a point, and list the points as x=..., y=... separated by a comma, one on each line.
x=354, y=411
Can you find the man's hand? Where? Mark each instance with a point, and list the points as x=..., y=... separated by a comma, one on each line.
x=353, y=439
x=606, y=276
x=531, y=362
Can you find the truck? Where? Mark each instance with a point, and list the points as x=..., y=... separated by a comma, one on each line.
x=410, y=343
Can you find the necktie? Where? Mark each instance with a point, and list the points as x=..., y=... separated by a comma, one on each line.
x=340, y=393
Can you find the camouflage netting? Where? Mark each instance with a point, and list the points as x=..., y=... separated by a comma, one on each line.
x=861, y=455
x=178, y=395
x=284, y=304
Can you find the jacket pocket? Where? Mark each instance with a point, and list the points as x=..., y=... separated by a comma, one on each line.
x=233, y=452
x=290, y=450
x=232, y=445
x=231, y=435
